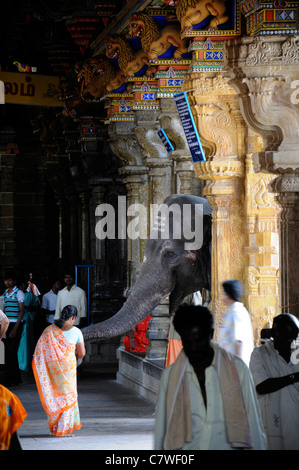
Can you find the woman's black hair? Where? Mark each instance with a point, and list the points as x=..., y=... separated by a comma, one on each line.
x=67, y=312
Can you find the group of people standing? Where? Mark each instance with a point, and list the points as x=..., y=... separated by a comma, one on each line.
x=213, y=396
x=28, y=313
x=229, y=394
x=49, y=347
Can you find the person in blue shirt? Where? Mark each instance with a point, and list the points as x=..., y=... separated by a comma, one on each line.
x=13, y=299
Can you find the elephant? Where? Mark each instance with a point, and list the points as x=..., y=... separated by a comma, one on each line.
x=169, y=269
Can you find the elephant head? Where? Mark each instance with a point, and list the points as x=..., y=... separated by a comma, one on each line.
x=172, y=265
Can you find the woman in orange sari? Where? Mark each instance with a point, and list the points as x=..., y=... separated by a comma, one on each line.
x=55, y=370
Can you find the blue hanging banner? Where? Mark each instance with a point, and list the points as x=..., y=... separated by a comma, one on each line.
x=189, y=127
x=167, y=144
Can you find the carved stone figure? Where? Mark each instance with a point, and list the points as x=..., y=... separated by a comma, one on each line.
x=71, y=97
x=86, y=71
x=156, y=41
x=193, y=12
x=105, y=79
x=130, y=62
x=170, y=268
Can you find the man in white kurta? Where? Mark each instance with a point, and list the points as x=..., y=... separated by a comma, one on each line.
x=207, y=399
x=208, y=424
x=280, y=407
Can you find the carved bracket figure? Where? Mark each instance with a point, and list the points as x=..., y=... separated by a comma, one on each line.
x=156, y=41
x=193, y=12
x=130, y=62
x=71, y=96
x=103, y=79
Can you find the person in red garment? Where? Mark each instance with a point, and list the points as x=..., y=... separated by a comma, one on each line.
x=140, y=342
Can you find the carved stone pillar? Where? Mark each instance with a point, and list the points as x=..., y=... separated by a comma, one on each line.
x=222, y=132
x=262, y=248
x=135, y=179
x=159, y=188
x=98, y=193
x=224, y=190
x=265, y=73
x=125, y=146
x=287, y=189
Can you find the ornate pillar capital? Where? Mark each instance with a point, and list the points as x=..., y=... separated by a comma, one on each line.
x=216, y=111
x=219, y=175
x=286, y=183
x=265, y=72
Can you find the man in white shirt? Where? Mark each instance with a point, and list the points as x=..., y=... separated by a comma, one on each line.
x=49, y=302
x=207, y=399
x=236, y=335
x=72, y=295
x=275, y=370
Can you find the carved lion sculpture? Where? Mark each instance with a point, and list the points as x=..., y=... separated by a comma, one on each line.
x=105, y=79
x=156, y=41
x=70, y=95
x=86, y=71
x=130, y=62
x=192, y=12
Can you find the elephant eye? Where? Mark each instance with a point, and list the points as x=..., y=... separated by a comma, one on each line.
x=169, y=253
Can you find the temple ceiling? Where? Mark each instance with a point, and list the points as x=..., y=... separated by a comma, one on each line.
x=113, y=58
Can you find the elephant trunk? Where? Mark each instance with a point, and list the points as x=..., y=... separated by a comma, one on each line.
x=150, y=289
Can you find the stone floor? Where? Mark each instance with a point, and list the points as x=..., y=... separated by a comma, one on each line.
x=116, y=421
x=113, y=417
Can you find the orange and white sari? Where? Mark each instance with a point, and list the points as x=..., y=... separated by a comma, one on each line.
x=55, y=371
